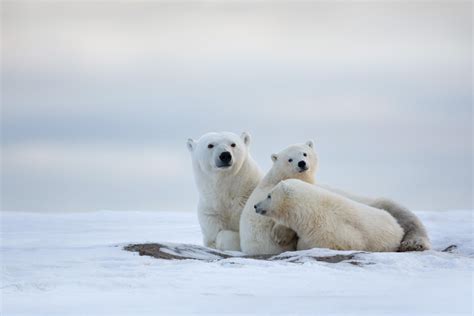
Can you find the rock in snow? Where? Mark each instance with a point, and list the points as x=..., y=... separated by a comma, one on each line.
x=172, y=251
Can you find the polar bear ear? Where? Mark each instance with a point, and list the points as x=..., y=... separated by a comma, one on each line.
x=191, y=144
x=246, y=138
x=310, y=143
x=274, y=157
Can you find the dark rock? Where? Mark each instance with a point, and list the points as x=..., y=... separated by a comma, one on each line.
x=194, y=252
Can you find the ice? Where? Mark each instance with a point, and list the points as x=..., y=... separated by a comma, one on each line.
x=74, y=264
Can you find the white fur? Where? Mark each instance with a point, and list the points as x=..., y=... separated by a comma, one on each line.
x=222, y=191
x=415, y=238
x=325, y=219
x=255, y=230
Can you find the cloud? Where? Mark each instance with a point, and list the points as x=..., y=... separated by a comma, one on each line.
x=89, y=159
x=99, y=97
x=48, y=36
x=84, y=177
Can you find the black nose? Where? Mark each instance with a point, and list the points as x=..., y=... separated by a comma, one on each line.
x=302, y=164
x=255, y=206
x=225, y=156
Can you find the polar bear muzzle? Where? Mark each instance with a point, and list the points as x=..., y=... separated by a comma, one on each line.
x=225, y=160
x=303, y=166
x=259, y=209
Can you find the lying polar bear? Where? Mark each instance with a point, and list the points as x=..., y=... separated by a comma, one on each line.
x=260, y=235
x=324, y=219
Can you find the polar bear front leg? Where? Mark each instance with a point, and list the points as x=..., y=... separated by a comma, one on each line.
x=283, y=236
x=214, y=234
x=228, y=240
x=210, y=226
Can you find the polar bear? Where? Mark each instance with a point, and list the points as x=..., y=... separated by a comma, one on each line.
x=415, y=237
x=225, y=176
x=324, y=219
x=260, y=235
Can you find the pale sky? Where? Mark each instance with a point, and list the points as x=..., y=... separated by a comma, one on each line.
x=98, y=98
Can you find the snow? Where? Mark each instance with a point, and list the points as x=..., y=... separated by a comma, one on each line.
x=74, y=264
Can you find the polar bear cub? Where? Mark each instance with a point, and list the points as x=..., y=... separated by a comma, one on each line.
x=258, y=234
x=324, y=219
x=225, y=176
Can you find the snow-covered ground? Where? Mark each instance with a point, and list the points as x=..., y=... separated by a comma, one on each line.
x=73, y=264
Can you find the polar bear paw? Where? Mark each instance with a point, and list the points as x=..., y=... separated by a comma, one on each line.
x=228, y=240
x=283, y=235
x=415, y=243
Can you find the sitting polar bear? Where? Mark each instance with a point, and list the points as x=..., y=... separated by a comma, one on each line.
x=323, y=219
x=258, y=234
x=225, y=176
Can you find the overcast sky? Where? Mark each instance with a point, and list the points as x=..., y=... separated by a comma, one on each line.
x=98, y=98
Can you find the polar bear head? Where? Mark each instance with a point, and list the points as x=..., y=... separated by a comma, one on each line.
x=276, y=204
x=284, y=198
x=222, y=152
x=296, y=162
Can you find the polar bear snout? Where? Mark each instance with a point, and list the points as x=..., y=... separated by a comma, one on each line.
x=303, y=166
x=259, y=209
x=225, y=159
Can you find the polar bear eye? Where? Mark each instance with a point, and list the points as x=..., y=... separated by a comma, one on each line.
x=290, y=160
x=232, y=145
x=210, y=146
x=305, y=154
x=269, y=196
